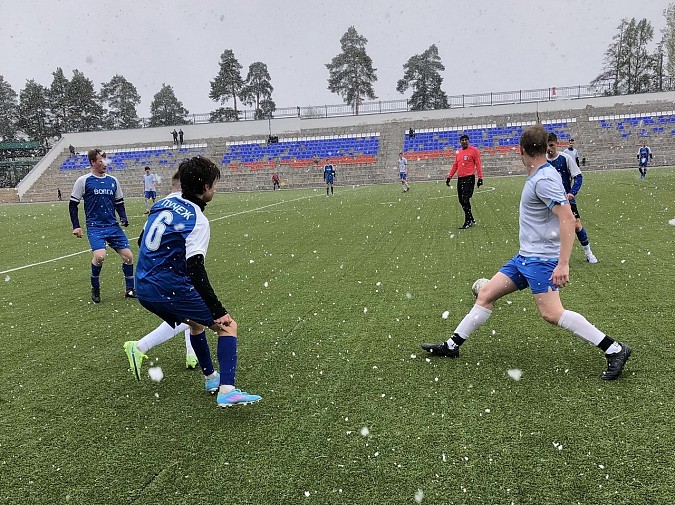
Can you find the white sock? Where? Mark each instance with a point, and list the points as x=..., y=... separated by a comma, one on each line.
x=587, y=249
x=159, y=335
x=615, y=347
x=577, y=324
x=188, y=342
x=476, y=318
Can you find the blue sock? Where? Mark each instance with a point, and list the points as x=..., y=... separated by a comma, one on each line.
x=583, y=237
x=227, y=359
x=128, y=271
x=95, y=272
x=202, y=351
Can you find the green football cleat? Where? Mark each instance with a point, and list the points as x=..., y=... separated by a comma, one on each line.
x=135, y=356
x=191, y=361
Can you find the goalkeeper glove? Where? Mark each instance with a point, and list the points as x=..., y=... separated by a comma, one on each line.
x=447, y=181
x=480, y=182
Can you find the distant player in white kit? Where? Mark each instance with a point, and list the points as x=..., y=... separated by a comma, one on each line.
x=403, y=172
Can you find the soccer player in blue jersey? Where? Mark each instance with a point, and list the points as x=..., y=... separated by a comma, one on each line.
x=171, y=279
x=328, y=176
x=570, y=173
x=102, y=197
x=164, y=331
x=403, y=172
x=149, y=188
x=644, y=155
x=542, y=263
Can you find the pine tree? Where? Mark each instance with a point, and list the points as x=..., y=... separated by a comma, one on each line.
x=84, y=110
x=58, y=103
x=228, y=83
x=629, y=65
x=121, y=99
x=422, y=73
x=8, y=110
x=34, y=113
x=351, y=73
x=166, y=109
x=257, y=90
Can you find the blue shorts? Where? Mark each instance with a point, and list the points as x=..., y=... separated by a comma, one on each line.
x=533, y=272
x=150, y=194
x=178, y=311
x=403, y=176
x=112, y=235
x=329, y=180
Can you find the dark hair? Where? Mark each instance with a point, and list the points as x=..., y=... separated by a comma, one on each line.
x=464, y=136
x=534, y=140
x=552, y=137
x=92, y=154
x=147, y=168
x=196, y=174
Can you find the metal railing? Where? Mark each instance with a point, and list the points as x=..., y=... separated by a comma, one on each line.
x=455, y=101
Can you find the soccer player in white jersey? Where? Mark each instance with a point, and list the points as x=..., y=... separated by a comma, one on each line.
x=171, y=278
x=570, y=173
x=149, y=188
x=572, y=151
x=542, y=263
x=102, y=195
x=403, y=172
x=164, y=331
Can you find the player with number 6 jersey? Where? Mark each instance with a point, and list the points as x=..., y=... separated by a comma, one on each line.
x=172, y=282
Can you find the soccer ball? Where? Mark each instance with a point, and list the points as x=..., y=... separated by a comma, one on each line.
x=478, y=285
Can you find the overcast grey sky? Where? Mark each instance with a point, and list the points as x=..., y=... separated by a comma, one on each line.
x=485, y=45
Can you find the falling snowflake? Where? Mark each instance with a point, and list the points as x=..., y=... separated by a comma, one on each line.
x=445, y=314
x=156, y=373
x=251, y=261
x=671, y=222
x=419, y=496
x=515, y=374
x=7, y=279
x=266, y=284
x=365, y=431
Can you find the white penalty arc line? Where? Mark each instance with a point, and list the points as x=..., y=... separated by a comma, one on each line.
x=136, y=238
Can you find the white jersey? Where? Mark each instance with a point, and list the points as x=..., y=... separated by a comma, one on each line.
x=539, y=226
x=149, y=181
x=402, y=165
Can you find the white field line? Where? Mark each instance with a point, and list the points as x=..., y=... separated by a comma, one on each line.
x=136, y=238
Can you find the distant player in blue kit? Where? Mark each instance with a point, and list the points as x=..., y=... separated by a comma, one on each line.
x=149, y=188
x=403, y=172
x=570, y=174
x=328, y=176
x=644, y=155
x=102, y=197
x=172, y=282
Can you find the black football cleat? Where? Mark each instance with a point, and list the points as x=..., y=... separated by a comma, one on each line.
x=616, y=362
x=130, y=293
x=96, y=295
x=441, y=349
